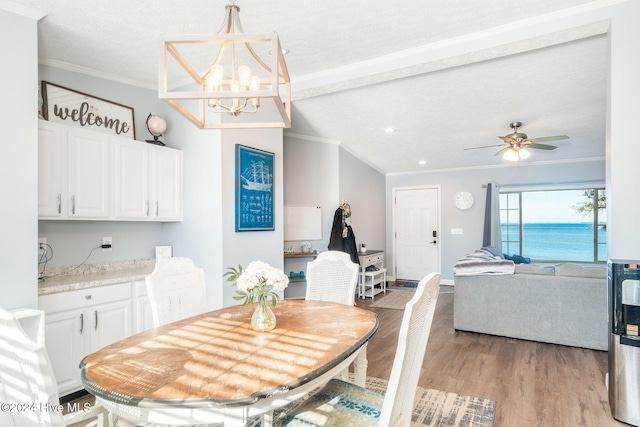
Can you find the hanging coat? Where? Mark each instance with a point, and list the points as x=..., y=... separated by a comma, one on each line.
x=336, y=242
x=350, y=246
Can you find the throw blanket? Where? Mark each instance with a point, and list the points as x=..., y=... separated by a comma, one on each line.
x=482, y=262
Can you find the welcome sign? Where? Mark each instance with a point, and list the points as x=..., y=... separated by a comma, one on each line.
x=63, y=105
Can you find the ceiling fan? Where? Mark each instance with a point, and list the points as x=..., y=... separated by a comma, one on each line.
x=516, y=144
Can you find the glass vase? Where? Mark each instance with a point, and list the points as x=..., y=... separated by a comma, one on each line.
x=263, y=318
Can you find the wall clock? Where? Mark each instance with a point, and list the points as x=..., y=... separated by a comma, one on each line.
x=464, y=200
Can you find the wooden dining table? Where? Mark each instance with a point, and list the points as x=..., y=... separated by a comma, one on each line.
x=214, y=367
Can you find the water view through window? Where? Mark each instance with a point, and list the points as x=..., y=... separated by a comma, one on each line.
x=555, y=225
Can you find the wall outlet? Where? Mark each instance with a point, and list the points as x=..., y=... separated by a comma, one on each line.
x=106, y=244
x=42, y=241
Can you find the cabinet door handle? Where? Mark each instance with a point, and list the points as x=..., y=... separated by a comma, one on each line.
x=59, y=203
x=157, y=208
x=81, y=323
x=147, y=208
x=95, y=315
x=73, y=205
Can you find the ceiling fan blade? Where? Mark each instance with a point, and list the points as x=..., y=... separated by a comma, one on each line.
x=542, y=146
x=508, y=139
x=547, y=138
x=484, y=146
x=501, y=152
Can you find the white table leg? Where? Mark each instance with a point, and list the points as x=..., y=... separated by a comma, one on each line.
x=235, y=417
x=360, y=367
x=267, y=419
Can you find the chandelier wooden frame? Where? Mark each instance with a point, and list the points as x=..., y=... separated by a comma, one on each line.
x=271, y=89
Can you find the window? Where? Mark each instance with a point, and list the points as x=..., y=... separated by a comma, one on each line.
x=555, y=225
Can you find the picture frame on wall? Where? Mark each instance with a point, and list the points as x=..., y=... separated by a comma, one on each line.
x=254, y=189
x=70, y=107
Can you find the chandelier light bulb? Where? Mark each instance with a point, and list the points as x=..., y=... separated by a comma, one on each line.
x=511, y=155
x=255, y=86
x=215, y=77
x=244, y=73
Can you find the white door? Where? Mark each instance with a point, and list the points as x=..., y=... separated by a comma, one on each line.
x=416, y=233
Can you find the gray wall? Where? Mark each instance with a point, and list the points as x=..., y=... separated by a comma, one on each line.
x=311, y=170
x=453, y=247
x=623, y=149
x=19, y=161
x=363, y=188
x=244, y=247
x=320, y=173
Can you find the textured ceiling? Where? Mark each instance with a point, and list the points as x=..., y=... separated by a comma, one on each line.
x=446, y=74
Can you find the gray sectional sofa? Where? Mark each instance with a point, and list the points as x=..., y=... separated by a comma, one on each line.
x=562, y=304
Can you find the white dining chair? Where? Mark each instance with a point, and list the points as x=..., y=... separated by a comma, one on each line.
x=340, y=403
x=28, y=388
x=176, y=289
x=333, y=277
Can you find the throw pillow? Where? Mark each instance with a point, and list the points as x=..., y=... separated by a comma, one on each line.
x=518, y=259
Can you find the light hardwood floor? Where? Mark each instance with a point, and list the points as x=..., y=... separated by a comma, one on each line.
x=534, y=384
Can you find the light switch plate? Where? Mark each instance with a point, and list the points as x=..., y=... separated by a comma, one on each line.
x=164, y=252
x=456, y=231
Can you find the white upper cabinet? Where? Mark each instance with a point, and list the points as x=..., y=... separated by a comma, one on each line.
x=93, y=176
x=131, y=178
x=148, y=181
x=52, y=171
x=88, y=179
x=166, y=184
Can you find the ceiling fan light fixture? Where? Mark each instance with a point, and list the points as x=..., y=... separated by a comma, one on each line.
x=524, y=153
x=511, y=155
x=227, y=72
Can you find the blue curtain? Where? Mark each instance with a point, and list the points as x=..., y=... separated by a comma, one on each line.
x=492, y=235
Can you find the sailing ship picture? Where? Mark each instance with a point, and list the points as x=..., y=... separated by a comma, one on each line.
x=257, y=176
x=254, y=189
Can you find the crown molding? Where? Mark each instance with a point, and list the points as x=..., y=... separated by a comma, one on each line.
x=19, y=9
x=94, y=73
x=520, y=164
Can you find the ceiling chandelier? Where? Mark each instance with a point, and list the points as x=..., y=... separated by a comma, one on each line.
x=220, y=80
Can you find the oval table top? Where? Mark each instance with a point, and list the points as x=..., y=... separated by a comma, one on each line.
x=217, y=358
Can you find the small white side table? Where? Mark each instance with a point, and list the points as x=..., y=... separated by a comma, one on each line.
x=369, y=280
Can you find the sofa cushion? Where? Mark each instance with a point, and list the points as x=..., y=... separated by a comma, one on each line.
x=535, y=269
x=574, y=270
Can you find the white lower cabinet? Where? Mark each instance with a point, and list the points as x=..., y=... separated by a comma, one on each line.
x=81, y=322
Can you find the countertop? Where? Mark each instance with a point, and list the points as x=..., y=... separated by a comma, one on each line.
x=64, y=279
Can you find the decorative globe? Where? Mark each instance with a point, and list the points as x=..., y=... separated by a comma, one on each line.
x=156, y=126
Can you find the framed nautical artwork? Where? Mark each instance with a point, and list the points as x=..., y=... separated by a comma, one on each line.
x=254, y=189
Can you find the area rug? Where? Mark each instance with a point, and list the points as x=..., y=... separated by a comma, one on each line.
x=393, y=299
x=435, y=408
x=404, y=284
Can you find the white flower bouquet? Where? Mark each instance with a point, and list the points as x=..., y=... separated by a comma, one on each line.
x=259, y=283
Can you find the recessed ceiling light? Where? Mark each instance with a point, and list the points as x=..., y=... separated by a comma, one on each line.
x=389, y=130
x=422, y=162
